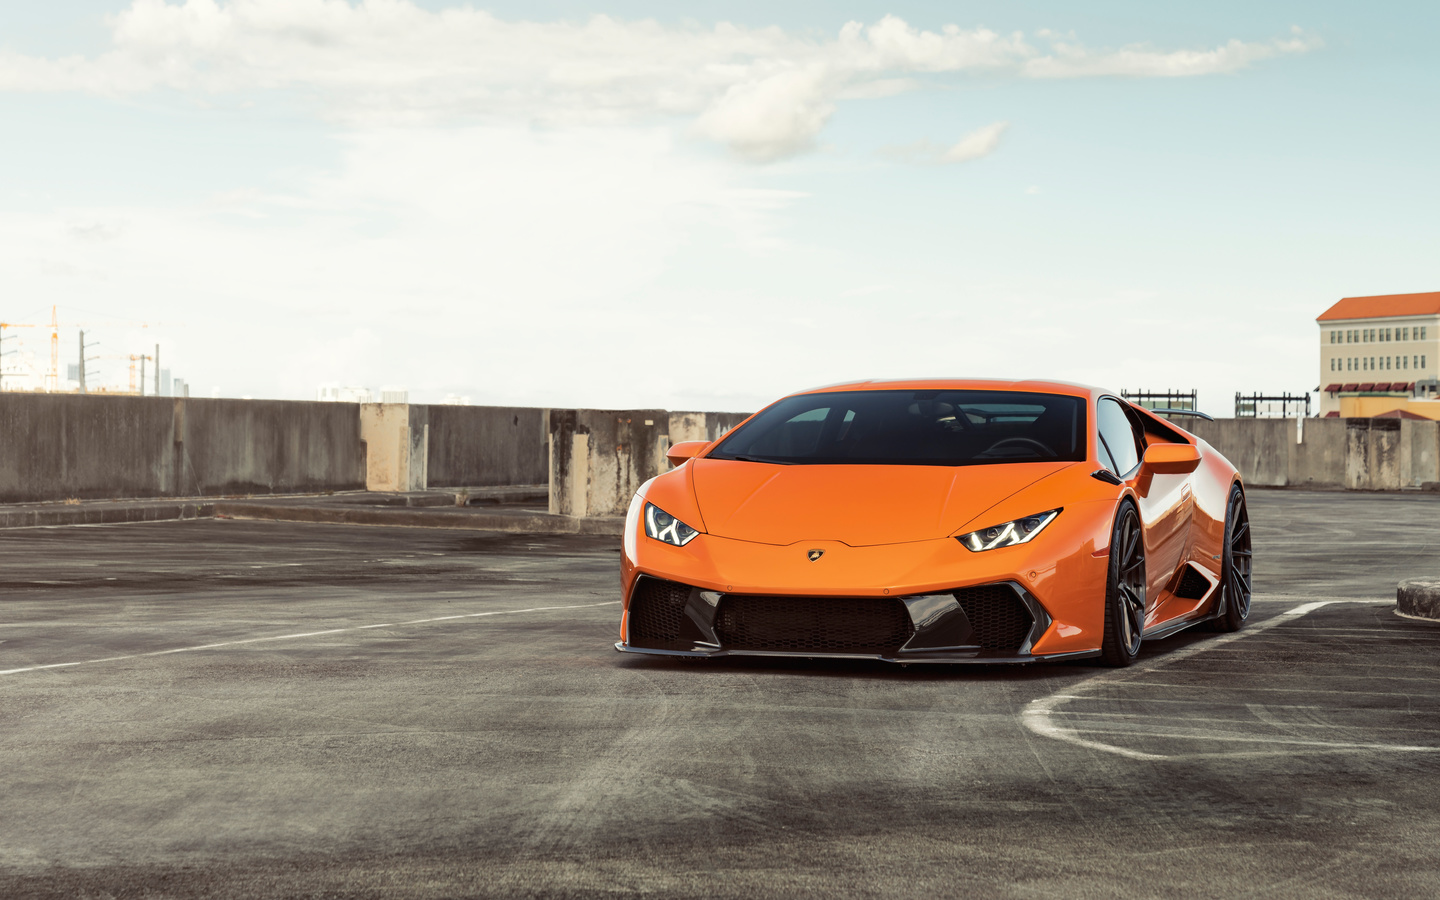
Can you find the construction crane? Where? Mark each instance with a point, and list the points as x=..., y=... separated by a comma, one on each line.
x=52, y=378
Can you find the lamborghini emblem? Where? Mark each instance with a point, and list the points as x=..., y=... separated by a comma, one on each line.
x=815, y=554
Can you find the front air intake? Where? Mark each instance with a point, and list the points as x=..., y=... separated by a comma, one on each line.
x=656, y=611
x=869, y=625
x=997, y=614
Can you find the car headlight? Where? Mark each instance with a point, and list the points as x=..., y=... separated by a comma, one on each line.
x=662, y=526
x=1008, y=534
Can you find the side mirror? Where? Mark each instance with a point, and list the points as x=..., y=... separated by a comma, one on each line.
x=1170, y=459
x=684, y=450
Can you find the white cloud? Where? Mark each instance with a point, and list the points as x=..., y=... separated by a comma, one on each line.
x=1070, y=60
x=763, y=92
x=978, y=143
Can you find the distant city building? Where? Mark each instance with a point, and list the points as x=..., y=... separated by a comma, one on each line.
x=181, y=388
x=1380, y=355
x=394, y=395
x=455, y=400
x=334, y=393
x=165, y=383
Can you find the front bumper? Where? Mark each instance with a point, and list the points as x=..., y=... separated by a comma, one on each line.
x=991, y=623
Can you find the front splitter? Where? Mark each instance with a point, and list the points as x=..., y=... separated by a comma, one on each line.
x=946, y=659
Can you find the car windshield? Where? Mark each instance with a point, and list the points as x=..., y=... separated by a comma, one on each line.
x=912, y=428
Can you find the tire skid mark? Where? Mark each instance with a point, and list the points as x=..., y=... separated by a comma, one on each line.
x=1040, y=715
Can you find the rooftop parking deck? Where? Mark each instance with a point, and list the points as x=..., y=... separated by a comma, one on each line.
x=251, y=708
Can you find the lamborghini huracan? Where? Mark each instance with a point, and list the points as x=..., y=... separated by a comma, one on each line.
x=937, y=521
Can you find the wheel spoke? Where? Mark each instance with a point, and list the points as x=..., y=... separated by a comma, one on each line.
x=1242, y=529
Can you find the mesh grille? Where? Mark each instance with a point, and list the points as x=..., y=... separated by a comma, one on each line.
x=656, y=611
x=1192, y=585
x=999, y=618
x=813, y=624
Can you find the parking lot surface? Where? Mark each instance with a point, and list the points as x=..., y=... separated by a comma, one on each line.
x=255, y=709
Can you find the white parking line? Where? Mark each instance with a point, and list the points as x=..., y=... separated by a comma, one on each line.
x=1039, y=714
x=291, y=637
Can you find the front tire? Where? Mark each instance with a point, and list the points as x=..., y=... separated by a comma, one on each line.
x=1124, y=590
x=1235, y=566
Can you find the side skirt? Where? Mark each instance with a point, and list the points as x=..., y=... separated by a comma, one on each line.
x=901, y=660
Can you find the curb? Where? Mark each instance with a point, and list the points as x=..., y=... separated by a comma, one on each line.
x=1418, y=599
x=466, y=519
x=91, y=514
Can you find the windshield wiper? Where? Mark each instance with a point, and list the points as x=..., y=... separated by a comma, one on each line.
x=757, y=459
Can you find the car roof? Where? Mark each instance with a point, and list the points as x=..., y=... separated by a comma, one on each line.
x=971, y=384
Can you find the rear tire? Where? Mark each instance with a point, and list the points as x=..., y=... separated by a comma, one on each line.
x=1235, y=566
x=1124, y=590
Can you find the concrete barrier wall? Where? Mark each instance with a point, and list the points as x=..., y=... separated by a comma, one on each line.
x=266, y=447
x=66, y=446
x=483, y=446
x=56, y=447
x=1357, y=454
x=63, y=446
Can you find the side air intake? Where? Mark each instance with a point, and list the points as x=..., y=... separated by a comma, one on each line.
x=1192, y=585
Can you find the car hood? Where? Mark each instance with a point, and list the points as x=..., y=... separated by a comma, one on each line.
x=855, y=505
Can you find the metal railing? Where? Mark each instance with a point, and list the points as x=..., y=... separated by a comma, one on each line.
x=1163, y=400
x=1261, y=406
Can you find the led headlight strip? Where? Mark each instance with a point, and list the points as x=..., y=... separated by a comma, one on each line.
x=662, y=526
x=1008, y=534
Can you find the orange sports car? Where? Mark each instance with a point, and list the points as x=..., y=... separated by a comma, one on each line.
x=937, y=521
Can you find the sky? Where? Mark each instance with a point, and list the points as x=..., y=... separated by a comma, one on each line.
x=697, y=205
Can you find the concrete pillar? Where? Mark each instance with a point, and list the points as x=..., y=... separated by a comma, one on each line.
x=599, y=458
x=397, y=442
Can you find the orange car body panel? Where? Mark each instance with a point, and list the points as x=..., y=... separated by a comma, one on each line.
x=890, y=530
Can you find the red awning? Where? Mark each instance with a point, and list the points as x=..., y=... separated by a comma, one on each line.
x=1352, y=386
x=1367, y=386
x=1331, y=388
x=1381, y=386
x=1402, y=386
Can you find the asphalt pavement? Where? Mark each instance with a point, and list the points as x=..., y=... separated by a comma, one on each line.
x=226, y=708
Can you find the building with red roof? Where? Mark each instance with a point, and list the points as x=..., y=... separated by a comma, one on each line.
x=1387, y=345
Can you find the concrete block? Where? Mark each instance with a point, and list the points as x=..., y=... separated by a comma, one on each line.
x=1421, y=464
x=396, y=437
x=1318, y=458
x=599, y=458
x=1420, y=599
x=1372, y=460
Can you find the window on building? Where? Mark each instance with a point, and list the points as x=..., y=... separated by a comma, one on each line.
x=1422, y=332
x=1404, y=334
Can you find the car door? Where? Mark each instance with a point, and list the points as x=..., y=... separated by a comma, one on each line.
x=1164, y=501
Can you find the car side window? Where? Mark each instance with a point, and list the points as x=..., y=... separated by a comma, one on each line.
x=1117, y=436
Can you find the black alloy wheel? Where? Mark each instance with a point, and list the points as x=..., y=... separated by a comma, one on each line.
x=1124, y=590
x=1235, y=566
